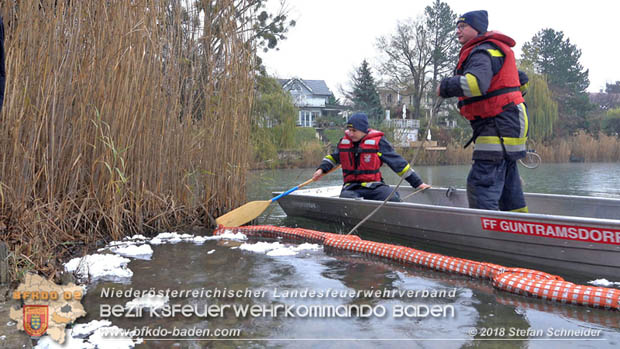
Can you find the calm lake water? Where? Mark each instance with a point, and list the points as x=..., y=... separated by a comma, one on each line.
x=475, y=314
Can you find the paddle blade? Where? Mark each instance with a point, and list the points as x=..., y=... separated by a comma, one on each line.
x=243, y=214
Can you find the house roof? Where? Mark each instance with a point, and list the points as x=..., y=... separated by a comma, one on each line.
x=317, y=87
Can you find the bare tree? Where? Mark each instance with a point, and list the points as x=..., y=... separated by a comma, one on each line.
x=420, y=53
x=406, y=61
x=440, y=21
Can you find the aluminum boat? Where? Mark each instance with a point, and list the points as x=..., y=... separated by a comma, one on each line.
x=562, y=233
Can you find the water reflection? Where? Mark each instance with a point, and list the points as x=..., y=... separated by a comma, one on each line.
x=475, y=302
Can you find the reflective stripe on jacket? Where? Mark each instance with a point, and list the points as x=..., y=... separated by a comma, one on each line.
x=512, y=124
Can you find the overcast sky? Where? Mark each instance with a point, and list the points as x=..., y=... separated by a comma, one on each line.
x=332, y=37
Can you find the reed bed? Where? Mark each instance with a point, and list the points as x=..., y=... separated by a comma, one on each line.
x=454, y=154
x=120, y=117
x=581, y=147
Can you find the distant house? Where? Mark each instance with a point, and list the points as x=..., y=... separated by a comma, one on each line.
x=399, y=116
x=398, y=106
x=396, y=102
x=605, y=101
x=311, y=97
x=392, y=99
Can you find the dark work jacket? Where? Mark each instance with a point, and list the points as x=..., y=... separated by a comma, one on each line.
x=512, y=124
x=387, y=155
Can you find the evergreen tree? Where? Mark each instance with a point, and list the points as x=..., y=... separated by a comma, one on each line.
x=554, y=56
x=332, y=100
x=550, y=54
x=364, y=95
x=613, y=88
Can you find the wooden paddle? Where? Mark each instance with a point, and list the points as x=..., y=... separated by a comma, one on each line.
x=253, y=209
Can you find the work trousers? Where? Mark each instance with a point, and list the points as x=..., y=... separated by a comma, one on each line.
x=375, y=191
x=495, y=185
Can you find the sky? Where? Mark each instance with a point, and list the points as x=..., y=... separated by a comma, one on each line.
x=331, y=38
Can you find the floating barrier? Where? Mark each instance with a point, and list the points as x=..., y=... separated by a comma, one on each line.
x=527, y=282
x=603, y=318
x=294, y=234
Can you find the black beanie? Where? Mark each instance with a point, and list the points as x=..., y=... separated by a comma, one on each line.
x=358, y=121
x=478, y=20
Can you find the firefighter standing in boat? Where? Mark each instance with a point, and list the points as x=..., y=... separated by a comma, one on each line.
x=361, y=152
x=487, y=83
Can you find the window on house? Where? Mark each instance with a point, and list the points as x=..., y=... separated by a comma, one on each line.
x=305, y=118
x=315, y=115
x=389, y=98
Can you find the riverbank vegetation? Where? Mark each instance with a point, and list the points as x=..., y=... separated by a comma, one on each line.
x=122, y=117
x=582, y=147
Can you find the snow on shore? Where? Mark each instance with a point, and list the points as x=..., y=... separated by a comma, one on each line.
x=110, y=264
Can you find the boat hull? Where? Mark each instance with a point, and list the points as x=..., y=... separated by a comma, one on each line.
x=568, y=243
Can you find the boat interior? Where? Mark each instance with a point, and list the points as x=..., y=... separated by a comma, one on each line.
x=552, y=204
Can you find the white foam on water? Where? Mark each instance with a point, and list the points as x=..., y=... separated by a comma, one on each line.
x=85, y=330
x=282, y=252
x=156, y=241
x=89, y=336
x=228, y=234
x=199, y=240
x=277, y=248
x=147, y=301
x=134, y=251
x=261, y=246
x=100, y=266
x=603, y=282
x=308, y=246
x=174, y=238
x=46, y=342
x=170, y=238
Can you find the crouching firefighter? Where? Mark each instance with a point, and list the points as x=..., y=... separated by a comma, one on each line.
x=361, y=152
x=488, y=85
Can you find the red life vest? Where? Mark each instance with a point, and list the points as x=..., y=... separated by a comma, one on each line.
x=368, y=161
x=505, y=86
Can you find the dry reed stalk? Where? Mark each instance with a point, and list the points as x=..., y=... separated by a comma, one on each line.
x=119, y=117
x=581, y=146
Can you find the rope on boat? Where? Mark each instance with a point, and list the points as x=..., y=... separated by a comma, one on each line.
x=527, y=282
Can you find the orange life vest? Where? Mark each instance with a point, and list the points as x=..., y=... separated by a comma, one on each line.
x=365, y=166
x=505, y=86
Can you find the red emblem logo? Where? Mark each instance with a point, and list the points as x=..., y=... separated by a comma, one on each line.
x=367, y=157
x=35, y=319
